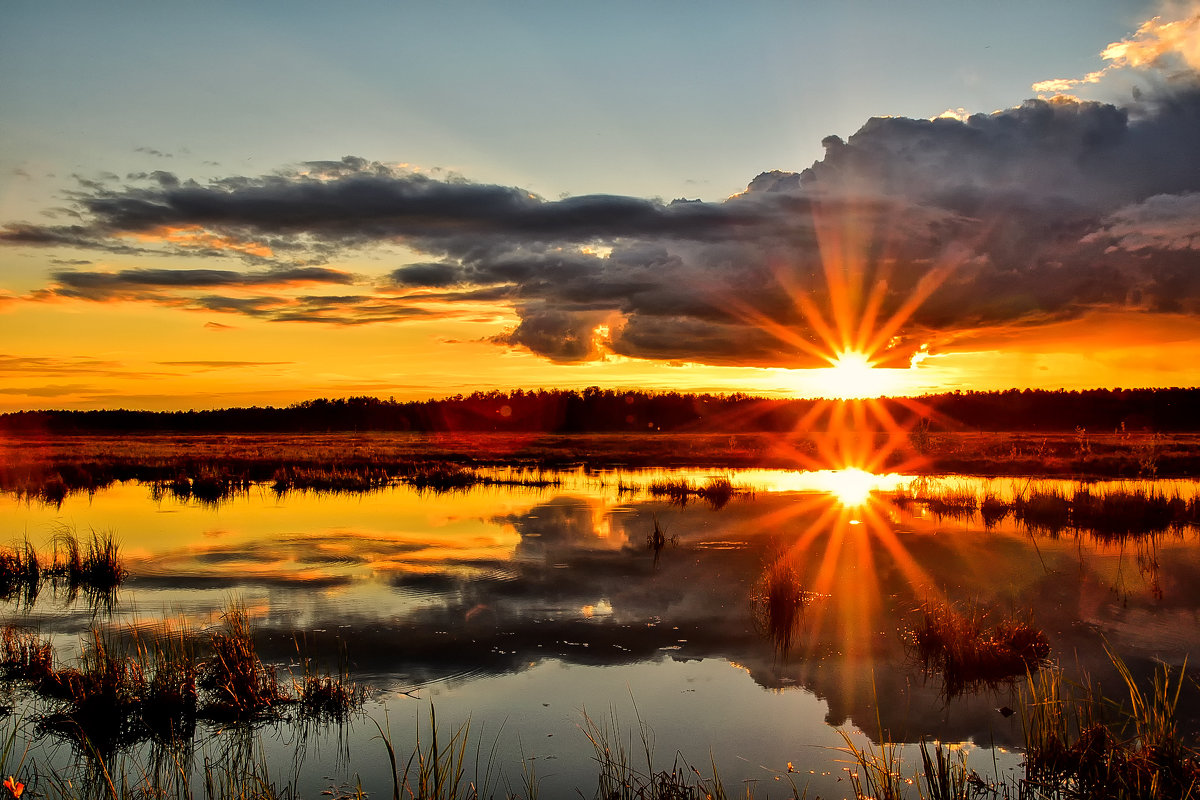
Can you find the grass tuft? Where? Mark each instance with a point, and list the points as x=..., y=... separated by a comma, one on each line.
x=968, y=651
x=239, y=684
x=779, y=602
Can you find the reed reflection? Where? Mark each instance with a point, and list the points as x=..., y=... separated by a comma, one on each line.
x=809, y=581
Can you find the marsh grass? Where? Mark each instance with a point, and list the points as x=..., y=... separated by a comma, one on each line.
x=21, y=574
x=627, y=771
x=876, y=772
x=172, y=696
x=24, y=655
x=778, y=603
x=992, y=509
x=100, y=699
x=240, y=686
x=134, y=685
x=1113, y=512
x=329, y=479
x=969, y=651
x=441, y=477
x=717, y=491
x=1083, y=744
x=436, y=769
x=323, y=697
x=93, y=567
x=208, y=485
x=944, y=500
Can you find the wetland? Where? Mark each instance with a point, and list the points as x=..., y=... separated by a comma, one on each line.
x=765, y=618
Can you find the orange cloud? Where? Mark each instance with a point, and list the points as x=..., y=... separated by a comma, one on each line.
x=1156, y=40
x=1154, y=43
x=198, y=237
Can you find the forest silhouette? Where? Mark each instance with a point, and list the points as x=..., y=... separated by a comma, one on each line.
x=606, y=410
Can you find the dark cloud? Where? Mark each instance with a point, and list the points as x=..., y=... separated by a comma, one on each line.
x=99, y=285
x=1045, y=211
x=436, y=275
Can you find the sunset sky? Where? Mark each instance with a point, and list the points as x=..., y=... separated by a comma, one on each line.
x=218, y=204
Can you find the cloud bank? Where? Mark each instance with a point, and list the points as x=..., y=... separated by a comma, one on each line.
x=907, y=232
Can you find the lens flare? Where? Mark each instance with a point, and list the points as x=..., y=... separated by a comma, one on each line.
x=852, y=487
x=853, y=376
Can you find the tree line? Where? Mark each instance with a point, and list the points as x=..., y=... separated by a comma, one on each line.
x=606, y=410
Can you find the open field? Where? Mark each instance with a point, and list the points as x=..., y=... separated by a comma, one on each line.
x=48, y=466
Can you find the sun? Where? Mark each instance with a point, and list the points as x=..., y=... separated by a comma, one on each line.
x=852, y=376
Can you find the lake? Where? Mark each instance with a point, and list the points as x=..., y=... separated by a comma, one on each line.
x=529, y=610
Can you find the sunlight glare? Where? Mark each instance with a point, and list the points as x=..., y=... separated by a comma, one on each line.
x=853, y=376
x=851, y=486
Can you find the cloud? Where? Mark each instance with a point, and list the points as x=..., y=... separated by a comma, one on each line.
x=102, y=285
x=50, y=390
x=205, y=365
x=1161, y=223
x=24, y=366
x=1171, y=47
x=907, y=232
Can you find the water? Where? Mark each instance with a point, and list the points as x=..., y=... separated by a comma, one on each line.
x=528, y=611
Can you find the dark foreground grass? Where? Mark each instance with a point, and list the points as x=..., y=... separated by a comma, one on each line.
x=1080, y=744
x=135, y=685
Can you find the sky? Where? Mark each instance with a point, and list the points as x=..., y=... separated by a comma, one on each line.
x=220, y=204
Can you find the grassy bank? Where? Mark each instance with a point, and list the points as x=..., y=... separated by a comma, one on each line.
x=1080, y=744
x=211, y=466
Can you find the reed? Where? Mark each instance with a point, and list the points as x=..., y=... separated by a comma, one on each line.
x=1082, y=744
x=967, y=651
x=940, y=498
x=779, y=603
x=239, y=684
x=626, y=775
x=329, y=479
x=717, y=491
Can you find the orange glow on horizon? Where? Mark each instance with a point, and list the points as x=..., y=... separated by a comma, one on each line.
x=852, y=375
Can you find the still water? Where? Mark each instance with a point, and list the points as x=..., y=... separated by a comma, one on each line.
x=526, y=610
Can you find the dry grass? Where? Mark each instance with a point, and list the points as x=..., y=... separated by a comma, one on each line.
x=93, y=567
x=968, y=651
x=778, y=603
x=239, y=684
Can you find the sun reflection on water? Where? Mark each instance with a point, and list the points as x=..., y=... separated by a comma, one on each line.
x=851, y=486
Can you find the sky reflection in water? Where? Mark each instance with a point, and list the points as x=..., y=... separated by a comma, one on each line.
x=526, y=606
